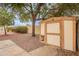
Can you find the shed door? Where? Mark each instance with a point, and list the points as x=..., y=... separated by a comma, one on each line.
x=53, y=33
x=69, y=35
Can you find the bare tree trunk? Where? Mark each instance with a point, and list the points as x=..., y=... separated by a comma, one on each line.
x=33, y=26
x=5, y=30
x=33, y=20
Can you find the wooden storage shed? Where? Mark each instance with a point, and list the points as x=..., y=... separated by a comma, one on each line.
x=59, y=31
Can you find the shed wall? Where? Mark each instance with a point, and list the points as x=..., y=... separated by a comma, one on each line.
x=68, y=35
x=43, y=29
x=60, y=31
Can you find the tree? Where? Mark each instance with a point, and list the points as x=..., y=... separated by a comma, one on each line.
x=41, y=11
x=64, y=9
x=29, y=11
x=6, y=18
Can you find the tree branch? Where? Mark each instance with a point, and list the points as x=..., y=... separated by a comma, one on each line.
x=38, y=8
x=27, y=9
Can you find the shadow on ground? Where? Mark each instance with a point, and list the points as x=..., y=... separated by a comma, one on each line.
x=25, y=41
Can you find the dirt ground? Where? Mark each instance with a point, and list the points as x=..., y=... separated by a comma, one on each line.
x=29, y=43
x=25, y=41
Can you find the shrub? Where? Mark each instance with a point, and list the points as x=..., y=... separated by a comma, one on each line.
x=10, y=29
x=21, y=29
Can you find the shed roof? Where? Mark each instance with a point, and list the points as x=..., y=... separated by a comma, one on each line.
x=72, y=18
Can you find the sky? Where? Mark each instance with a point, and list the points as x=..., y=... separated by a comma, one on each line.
x=18, y=23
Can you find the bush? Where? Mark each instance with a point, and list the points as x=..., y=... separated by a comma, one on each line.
x=21, y=29
x=10, y=29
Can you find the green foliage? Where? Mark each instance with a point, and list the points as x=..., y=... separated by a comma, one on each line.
x=6, y=18
x=21, y=29
x=40, y=11
x=27, y=10
x=24, y=17
x=64, y=9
